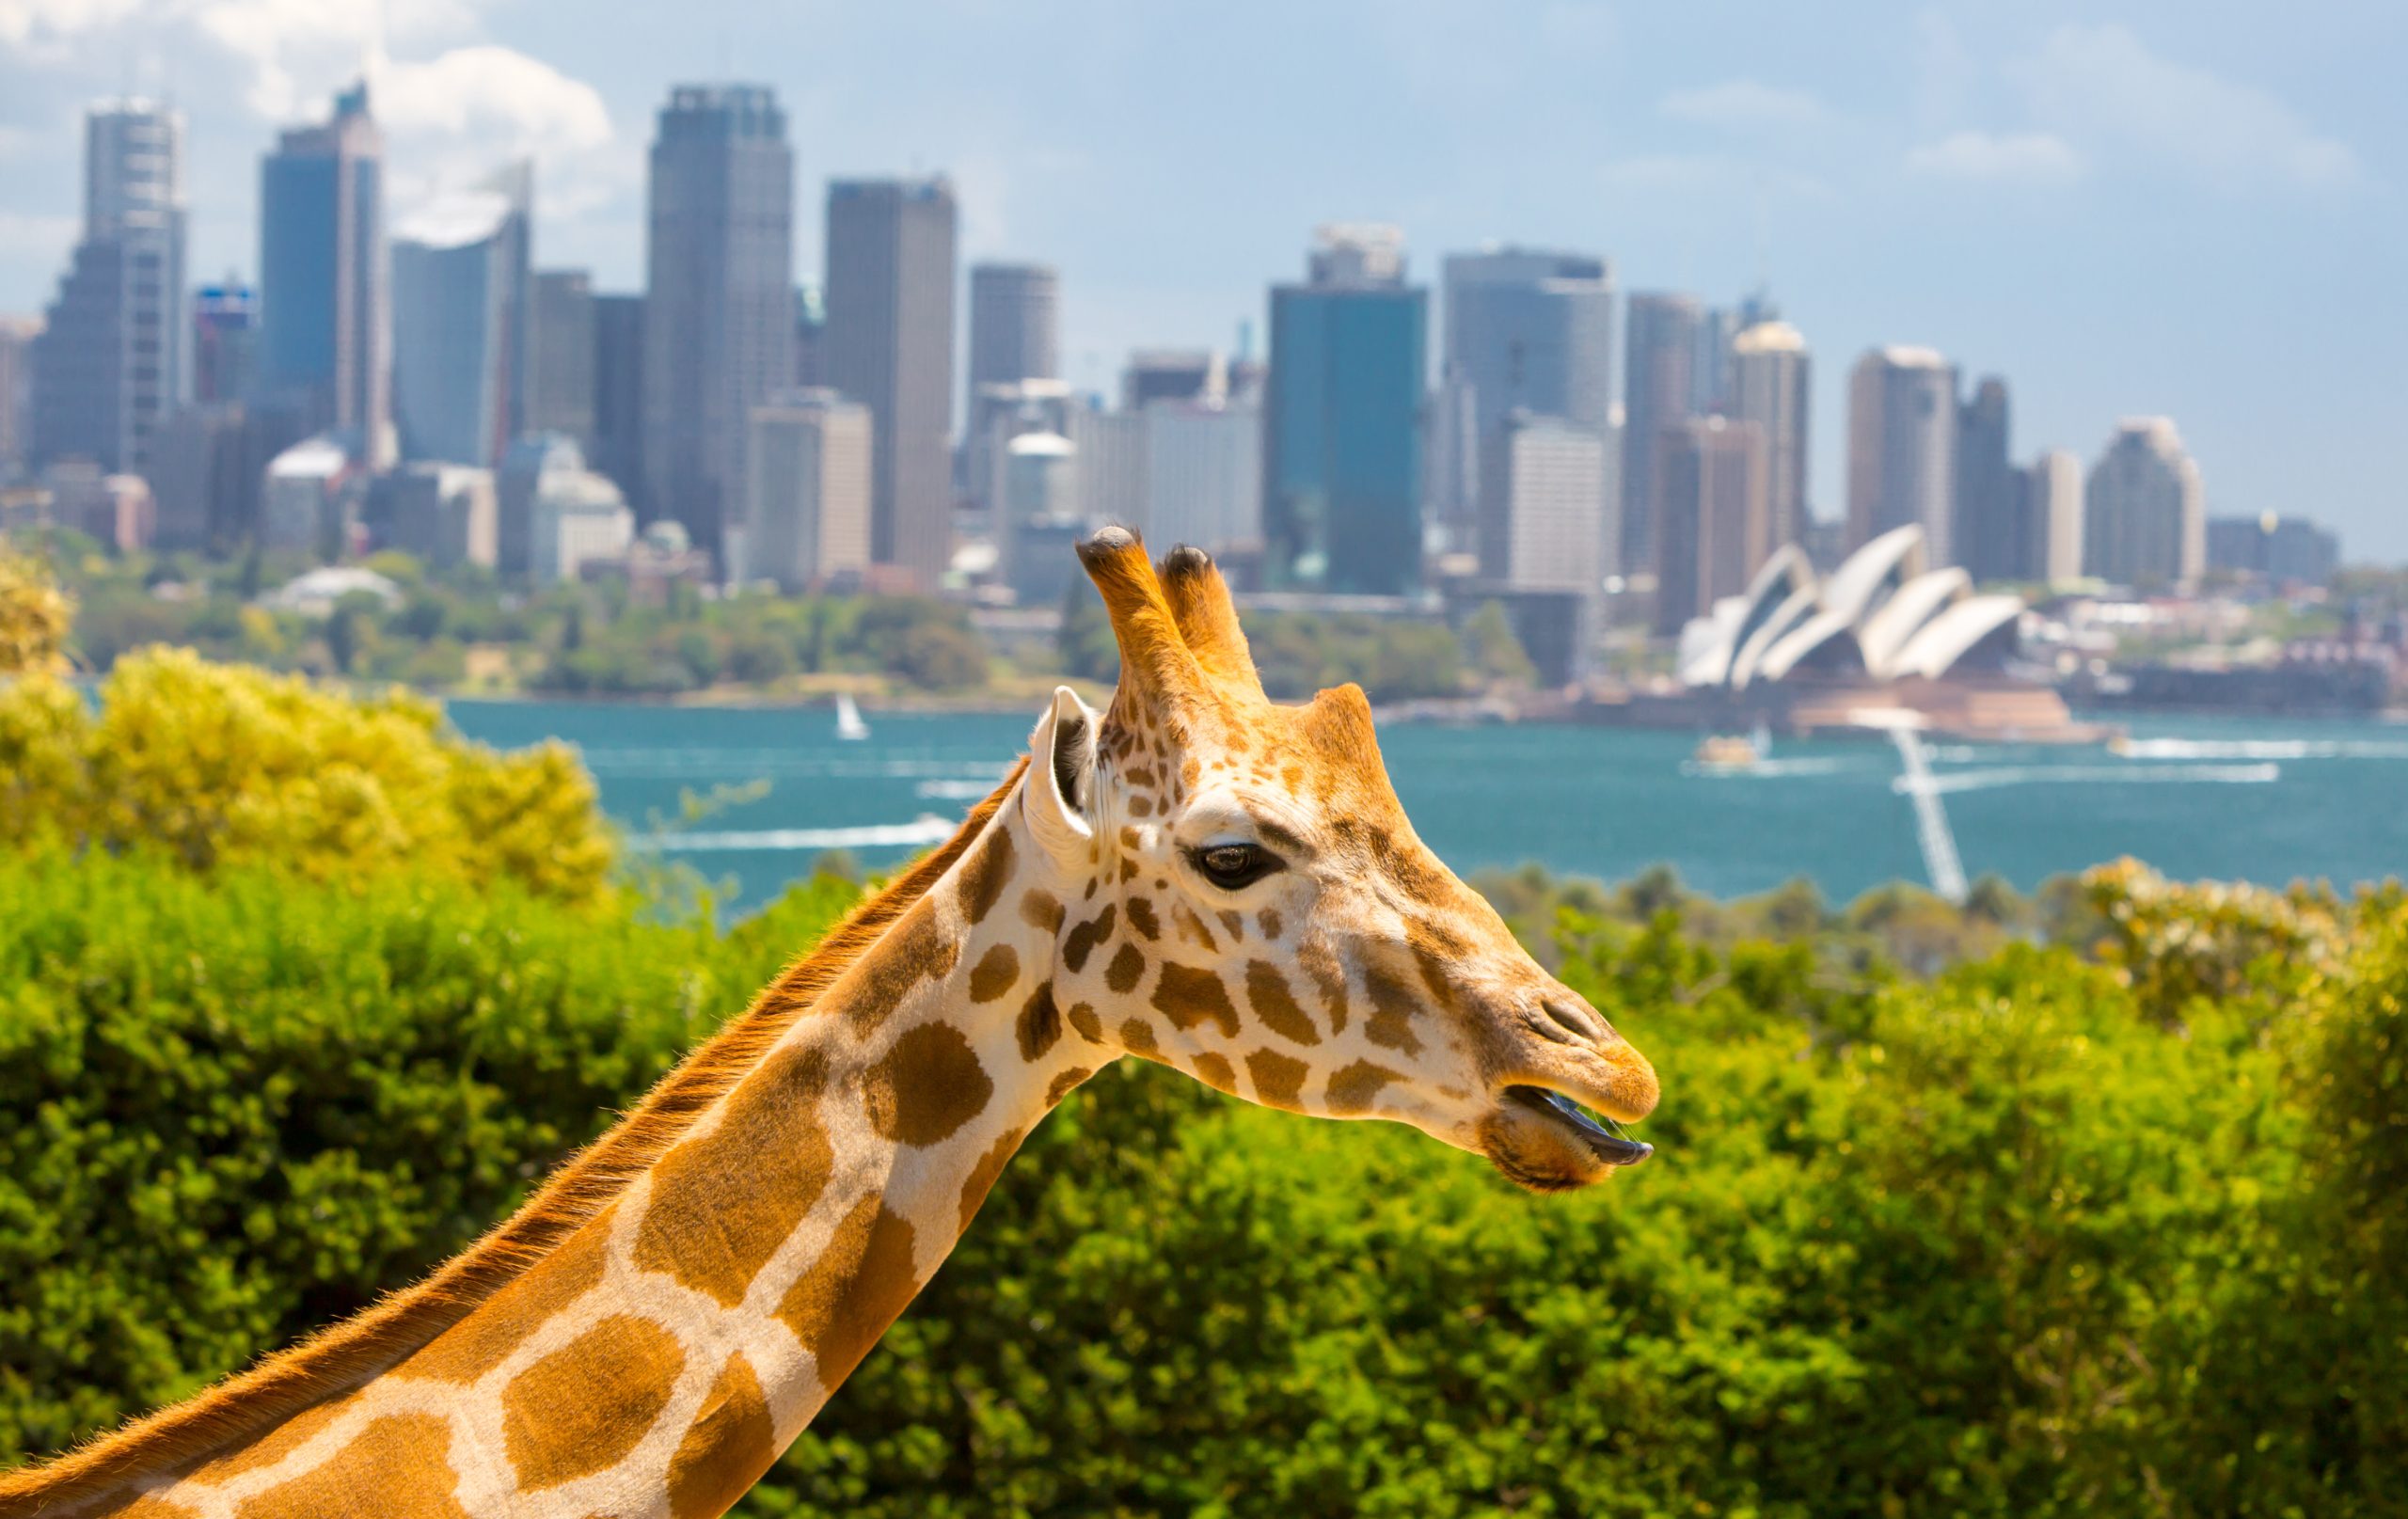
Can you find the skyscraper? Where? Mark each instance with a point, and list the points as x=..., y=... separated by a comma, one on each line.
x=719, y=313
x=460, y=317
x=1182, y=374
x=1994, y=535
x=110, y=363
x=561, y=377
x=2145, y=509
x=618, y=395
x=1341, y=494
x=807, y=512
x=1771, y=375
x=890, y=347
x=2052, y=497
x=1658, y=393
x=1714, y=523
x=1902, y=449
x=17, y=335
x=326, y=323
x=225, y=342
x=1539, y=505
x=1015, y=323
x=1527, y=330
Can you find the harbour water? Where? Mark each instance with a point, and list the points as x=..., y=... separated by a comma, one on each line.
x=2254, y=800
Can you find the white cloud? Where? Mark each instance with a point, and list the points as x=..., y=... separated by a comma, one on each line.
x=1744, y=103
x=451, y=120
x=1997, y=158
x=1719, y=174
x=2103, y=82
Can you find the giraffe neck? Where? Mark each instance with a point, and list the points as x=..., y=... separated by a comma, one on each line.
x=659, y=1357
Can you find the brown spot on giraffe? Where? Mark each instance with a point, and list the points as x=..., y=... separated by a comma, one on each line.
x=1081, y=1018
x=400, y=1463
x=1267, y=994
x=982, y=1177
x=486, y=1338
x=917, y=949
x=1233, y=923
x=1064, y=1084
x=1268, y=921
x=1352, y=1090
x=1329, y=979
x=857, y=1287
x=727, y=1447
x=926, y=1086
x=1393, y=1005
x=985, y=872
x=1141, y=917
x=995, y=973
x=1141, y=806
x=1121, y=976
x=1278, y=1080
x=1138, y=1037
x=725, y=1201
x=583, y=1407
x=1039, y=1023
x=150, y=1506
x=1084, y=938
x=1040, y=910
x=1214, y=1072
x=1192, y=928
x=1190, y=996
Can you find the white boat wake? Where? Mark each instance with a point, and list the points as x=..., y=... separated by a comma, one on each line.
x=918, y=833
x=2017, y=775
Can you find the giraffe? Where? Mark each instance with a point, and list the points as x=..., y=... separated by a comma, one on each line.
x=1194, y=877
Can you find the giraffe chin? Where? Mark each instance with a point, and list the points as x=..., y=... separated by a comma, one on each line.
x=1543, y=1140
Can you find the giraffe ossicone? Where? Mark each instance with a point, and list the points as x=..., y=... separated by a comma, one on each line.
x=1196, y=875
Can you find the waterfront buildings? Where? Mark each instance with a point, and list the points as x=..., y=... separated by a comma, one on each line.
x=1042, y=518
x=2146, y=510
x=1203, y=469
x=444, y=514
x=1658, y=394
x=719, y=309
x=1713, y=515
x=2053, y=504
x=325, y=291
x=1770, y=382
x=577, y=519
x=110, y=362
x=807, y=517
x=461, y=298
x=1341, y=496
x=1527, y=331
x=2285, y=550
x=562, y=376
x=309, y=502
x=890, y=246
x=1902, y=447
x=208, y=471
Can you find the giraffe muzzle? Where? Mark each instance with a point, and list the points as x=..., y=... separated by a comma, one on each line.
x=1602, y=1134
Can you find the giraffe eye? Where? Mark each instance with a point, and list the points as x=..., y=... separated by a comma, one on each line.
x=1232, y=865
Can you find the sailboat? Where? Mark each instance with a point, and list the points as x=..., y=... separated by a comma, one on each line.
x=849, y=725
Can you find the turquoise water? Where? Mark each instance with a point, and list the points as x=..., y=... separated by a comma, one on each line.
x=2251, y=799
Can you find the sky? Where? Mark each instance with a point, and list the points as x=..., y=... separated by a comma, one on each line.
x=2198, y=209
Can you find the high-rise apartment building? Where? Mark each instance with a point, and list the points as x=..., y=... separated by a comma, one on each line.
x=461, y=298
x=808, y=502
x=618, y=395
x=1714, y=515
x=719, y=309
x=111, y=361
x=2146, y=510
x=1526, y=331
x=1203, y=475
x=225, y=343
x=2053, y=504
x=1770, y=384
x=1015, y=324
x=1902, y=449
x=1995, y=536
x=890, y=346
x=1658, y=394
x=326, y=284
x=1540, y=506
x=562, y=380
x=1342, y=445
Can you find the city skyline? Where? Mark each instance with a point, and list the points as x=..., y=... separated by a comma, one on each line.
x=2068, y=201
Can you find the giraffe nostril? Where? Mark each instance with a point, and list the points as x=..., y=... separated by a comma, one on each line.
x=1576, y=1018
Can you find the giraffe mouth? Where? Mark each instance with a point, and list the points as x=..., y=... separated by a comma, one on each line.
x=1600, y=1135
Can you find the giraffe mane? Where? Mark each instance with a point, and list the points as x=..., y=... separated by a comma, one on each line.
x=344, y=1356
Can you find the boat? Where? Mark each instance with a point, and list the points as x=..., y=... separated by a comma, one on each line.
x=849, y=725
x=1724, y=751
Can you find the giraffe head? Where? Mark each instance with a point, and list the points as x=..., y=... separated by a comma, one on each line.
x=1243, y=899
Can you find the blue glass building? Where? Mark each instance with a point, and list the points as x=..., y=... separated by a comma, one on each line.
x=1342, y=412
x=326, y=329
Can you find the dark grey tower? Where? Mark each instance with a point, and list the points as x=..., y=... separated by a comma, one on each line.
x=1993, y=532
x=719, y=309
x=1659, y=393
x=890, y=347
x=1015, y=324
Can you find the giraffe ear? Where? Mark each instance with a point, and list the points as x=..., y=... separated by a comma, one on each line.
x=1058, y=797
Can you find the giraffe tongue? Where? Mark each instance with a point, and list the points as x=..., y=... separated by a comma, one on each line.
x=1610, y=1145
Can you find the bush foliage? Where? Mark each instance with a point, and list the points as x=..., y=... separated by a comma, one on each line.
x=2024, y=1238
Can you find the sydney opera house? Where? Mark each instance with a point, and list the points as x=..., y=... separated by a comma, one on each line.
x=1883, y=641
